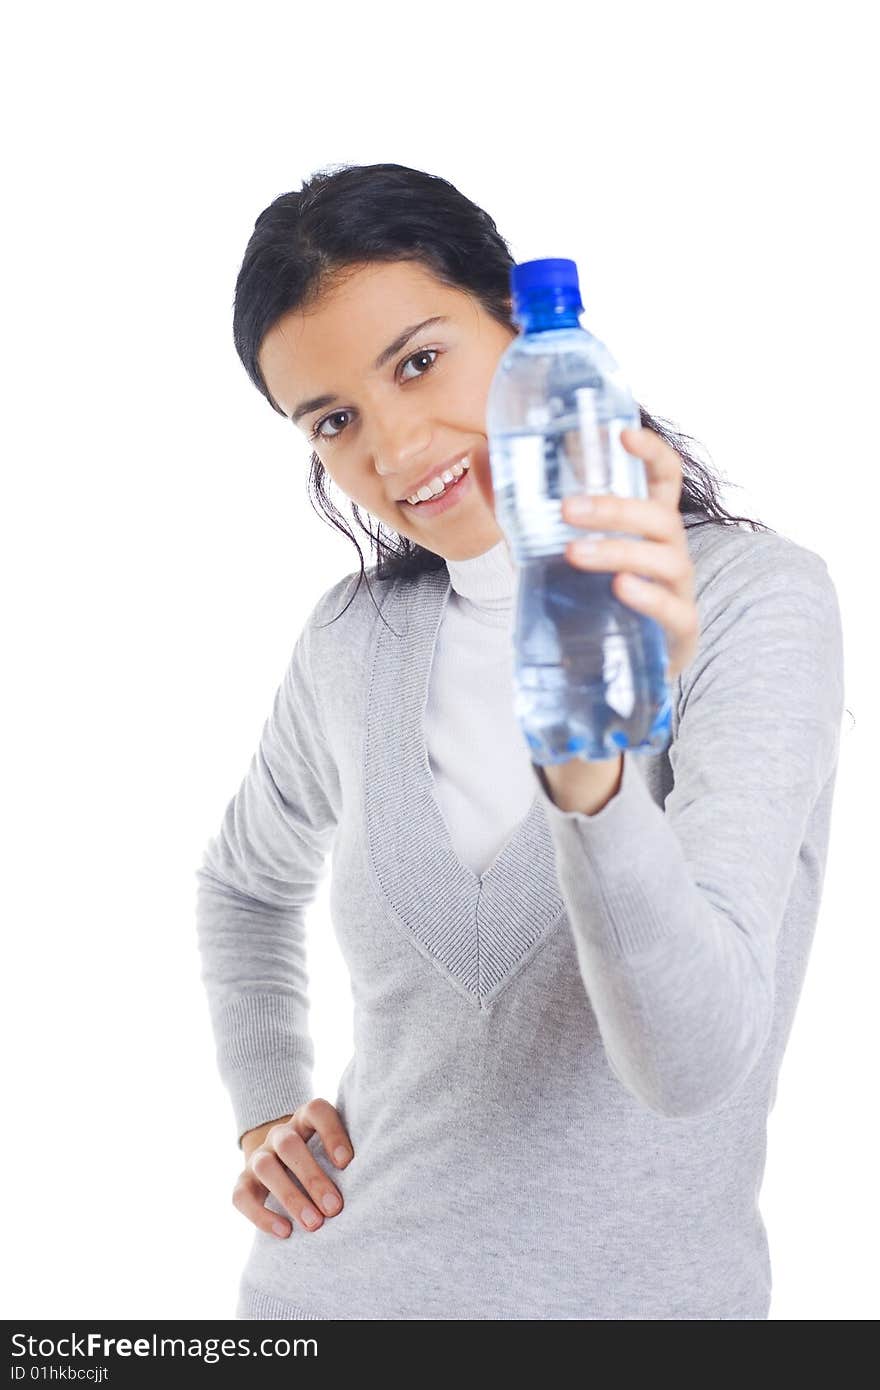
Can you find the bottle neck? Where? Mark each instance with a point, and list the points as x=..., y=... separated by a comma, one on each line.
x=540, y=318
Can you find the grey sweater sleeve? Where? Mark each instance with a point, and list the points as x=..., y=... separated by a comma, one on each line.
x=676, y=911
x=257, y=877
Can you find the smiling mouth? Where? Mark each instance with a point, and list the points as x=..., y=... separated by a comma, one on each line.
x=448, y=478
x=441, y=501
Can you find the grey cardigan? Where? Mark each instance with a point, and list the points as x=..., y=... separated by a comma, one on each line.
x=564, y=1066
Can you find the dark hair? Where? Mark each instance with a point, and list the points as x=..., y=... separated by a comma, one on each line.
x=352, y=215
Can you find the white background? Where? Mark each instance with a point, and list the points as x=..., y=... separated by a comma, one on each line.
x=712, y=171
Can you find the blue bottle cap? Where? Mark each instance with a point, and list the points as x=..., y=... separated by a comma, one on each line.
x=551, y=279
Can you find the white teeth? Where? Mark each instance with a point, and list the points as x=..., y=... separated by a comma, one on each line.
x=438, y=484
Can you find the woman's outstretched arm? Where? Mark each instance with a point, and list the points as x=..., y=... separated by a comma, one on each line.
x=676, y=911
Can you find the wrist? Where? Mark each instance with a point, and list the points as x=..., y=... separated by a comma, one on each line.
x=253, y=1138
x=581, y=786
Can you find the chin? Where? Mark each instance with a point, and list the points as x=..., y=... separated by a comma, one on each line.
x=474, y=540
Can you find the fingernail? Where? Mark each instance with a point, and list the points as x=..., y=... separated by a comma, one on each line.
x=340, y=1154
x=310, y=1218
x=279, y=1229
x=330, y=1202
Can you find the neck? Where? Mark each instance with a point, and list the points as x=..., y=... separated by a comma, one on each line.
x=485, y=582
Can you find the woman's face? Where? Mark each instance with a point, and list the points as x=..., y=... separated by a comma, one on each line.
x=390, y=420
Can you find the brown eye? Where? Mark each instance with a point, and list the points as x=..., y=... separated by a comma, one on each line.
x=432, y=353
x=316, y=434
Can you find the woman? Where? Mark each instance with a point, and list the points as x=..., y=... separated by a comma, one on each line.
x=571, y=996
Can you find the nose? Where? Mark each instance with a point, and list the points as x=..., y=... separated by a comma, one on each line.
x=402, y=454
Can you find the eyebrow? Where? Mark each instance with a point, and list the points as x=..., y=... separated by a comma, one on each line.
x=318, y=402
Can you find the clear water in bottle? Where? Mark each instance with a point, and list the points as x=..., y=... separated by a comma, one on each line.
x=590, y=672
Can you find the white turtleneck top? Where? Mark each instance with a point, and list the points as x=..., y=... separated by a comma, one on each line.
x=469, y=722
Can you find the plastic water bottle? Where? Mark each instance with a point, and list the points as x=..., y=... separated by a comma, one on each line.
x=590, y=672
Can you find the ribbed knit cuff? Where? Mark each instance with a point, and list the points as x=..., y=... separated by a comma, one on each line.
x=621, y=871
x=265, y=1063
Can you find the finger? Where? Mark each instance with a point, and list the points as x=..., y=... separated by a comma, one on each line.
x=248, y=1197
x=269, y=1170
x=319, y=1117
x=664, y=562
x=306, y=1118
x=672, y=611
x=639, y=516
x=663, y=471
x=292, y=1149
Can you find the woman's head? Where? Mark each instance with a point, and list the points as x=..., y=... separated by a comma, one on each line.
x=331, y=275
x=387, y=373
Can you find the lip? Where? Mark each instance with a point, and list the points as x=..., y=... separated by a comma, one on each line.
x=451, y=494
x=435, y=473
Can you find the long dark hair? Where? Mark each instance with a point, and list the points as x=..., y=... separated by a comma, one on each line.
x=356, y=214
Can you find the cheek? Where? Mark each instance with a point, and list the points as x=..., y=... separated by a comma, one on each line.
x=348, y=479
x=468, y=400
x=369, y=493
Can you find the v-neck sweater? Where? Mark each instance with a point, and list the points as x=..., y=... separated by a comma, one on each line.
x=564, y=1064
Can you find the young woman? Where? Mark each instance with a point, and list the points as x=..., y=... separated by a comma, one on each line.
x=573, y=986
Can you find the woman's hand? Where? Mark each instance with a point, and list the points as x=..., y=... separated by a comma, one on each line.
x=282, y=1146
x=662, y=555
